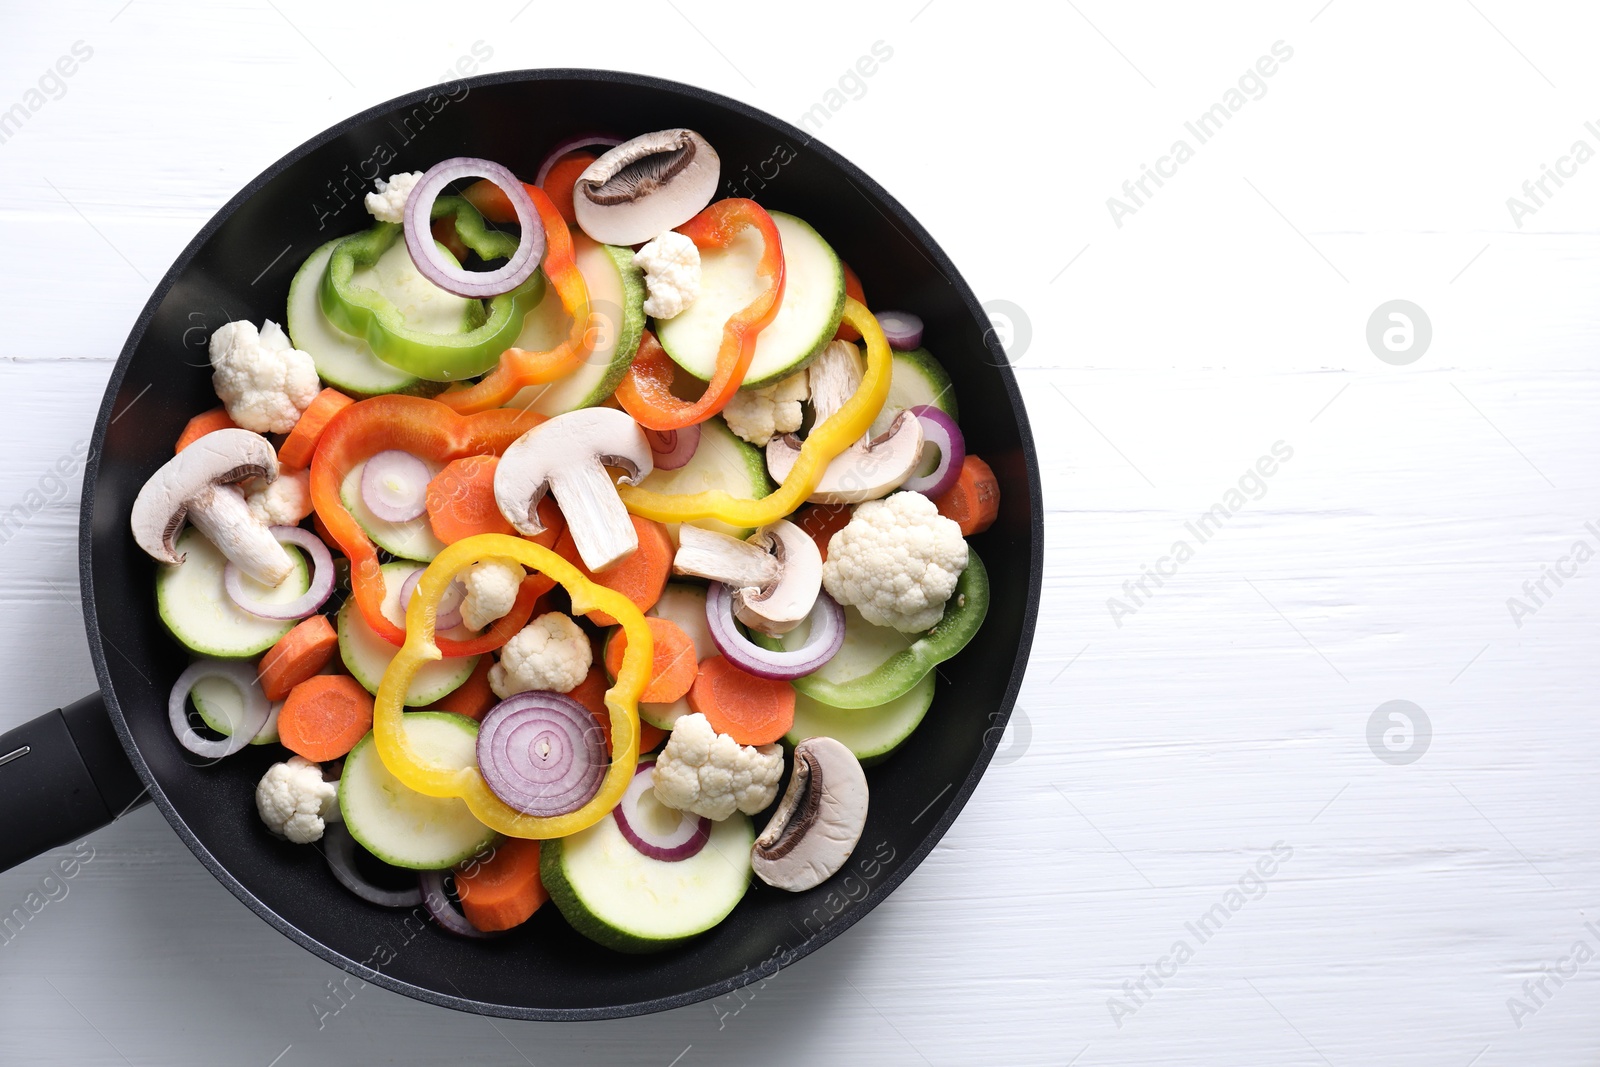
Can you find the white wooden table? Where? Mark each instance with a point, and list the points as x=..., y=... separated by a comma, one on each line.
x=1104, y=899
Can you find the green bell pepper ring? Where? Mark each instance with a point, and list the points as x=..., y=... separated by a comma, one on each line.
x=368, y=314
x=902, y=667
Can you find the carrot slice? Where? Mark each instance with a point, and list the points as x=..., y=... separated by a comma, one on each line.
x=822, y=521
x=562, y=177
x=852, y=289
x=473, y=698
x=298, y=655
x=974, y=501
x=673, y=667
x=640, y=577
x=461, y=500
x=751, y=710
x=504, y=890
x=324, y=716
x=202, y=424
x=301, y=443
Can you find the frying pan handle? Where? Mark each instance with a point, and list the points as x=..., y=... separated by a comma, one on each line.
x=62, y=775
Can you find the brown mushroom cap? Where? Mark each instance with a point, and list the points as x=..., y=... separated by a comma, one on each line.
x=644, y=187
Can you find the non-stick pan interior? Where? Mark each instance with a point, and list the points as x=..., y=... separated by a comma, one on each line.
x=240, y=267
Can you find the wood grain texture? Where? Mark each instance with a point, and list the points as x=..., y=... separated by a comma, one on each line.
x=1153, y=764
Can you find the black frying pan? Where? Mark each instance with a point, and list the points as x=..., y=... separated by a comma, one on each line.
x=70, y=771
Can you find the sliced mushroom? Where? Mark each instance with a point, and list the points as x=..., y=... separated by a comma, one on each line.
x=568, y=456
x=198, y=485
x=644, y=187
x=775, y=575
x=870, y=468
x=818, y=821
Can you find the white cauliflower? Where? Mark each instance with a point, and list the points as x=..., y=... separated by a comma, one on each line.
x=671, y=265
x=295, y=802
x=712, y=775
x=491, y=590
x=388, y=204
x=263, y=380
x=283, y=502
x=758, y=415
x=897, y=561
x=550, y=653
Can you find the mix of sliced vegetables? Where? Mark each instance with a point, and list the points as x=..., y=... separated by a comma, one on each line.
x=546, y=551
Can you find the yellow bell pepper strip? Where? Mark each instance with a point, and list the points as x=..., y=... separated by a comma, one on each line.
x=821, y=446
x=518, y=367
x=645, y=392
x=430, y=431
x=622, y=699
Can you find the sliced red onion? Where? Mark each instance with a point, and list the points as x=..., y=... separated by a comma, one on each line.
x=436, y=895
x=425, y=252
x=673, y=448
x=939, y=431
x=340, y=851
x=449, y=605
x=394, y=486
x=901, y=329
x=241, y=674
x=684, y=841
x=572, y=144
x=542, y=753
x=302, y=606
x=824, y=638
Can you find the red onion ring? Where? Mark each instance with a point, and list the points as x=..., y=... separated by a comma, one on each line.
x=302, y=606
x=436, y=896
x=449, y=616
x=242, y=675
x=673, y=448
x=572, y=144
x=901, y=329
x=542, y=753
x=823, y=639
x=425, y=253
x=686, y=841
x=394, y=486
x=340, y=852
x=939, y=431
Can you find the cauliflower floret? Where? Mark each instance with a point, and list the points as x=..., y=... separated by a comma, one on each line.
x=758, y=415
x=263, y=380
x=550, y=653
x=897, y=561
x=295, y=802
x=711, y=774
x=491, y=590
x=388, y=204
x=283, y=502
x=671, y=265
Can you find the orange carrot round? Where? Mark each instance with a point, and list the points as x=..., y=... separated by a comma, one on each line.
x=504, y=890
x=324, y=716
x=473, y=698
x=298, y=655
x=640, y=577
x=673, y=667
x=974, y=501
x=822, y=521
x=751, y=710
x=461, y=500
x=202, y=424
x=298, y=448
x=562, y=177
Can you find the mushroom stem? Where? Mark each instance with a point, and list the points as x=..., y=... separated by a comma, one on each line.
x=220, y=512
x=721, y=558
x=601, y=529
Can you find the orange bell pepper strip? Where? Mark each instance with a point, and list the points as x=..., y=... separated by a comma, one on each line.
x=518, y=367
x=646, y=391
x=430, y=431
x=411, y=766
